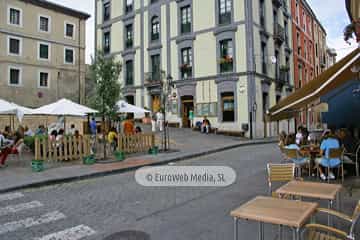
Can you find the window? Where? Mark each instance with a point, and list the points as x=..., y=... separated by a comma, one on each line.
x=69, y=30
x=15, y=16
x=265, y=102
x=185, y=19
x=155, y=29
x=262, y=13
x=305, y=49
x=226, y=56
x=153, y=1
x=225, y=11
x=14, y=76
x=106, y=45
x=155, y=67
x=130, y=99
x=43, y=79
x=129, y=72
x=316, y=49
x=298, y=43
x=69, y=56
x=304, y=21
x=300, y=75
x=297, y=12
x=286, y=33
x=129, y=36
x=44, y=24
x=14, y=46
x=43, y=51
x=106, y=12
x=228, y=108
x=129, y=6
x=186, y=63
x=263, y=58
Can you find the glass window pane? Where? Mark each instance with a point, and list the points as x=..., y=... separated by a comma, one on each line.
x=14, y=16
x=69, y=56
x=14, y=76
x=14, y=46
x=44, y=24
x=44, y=51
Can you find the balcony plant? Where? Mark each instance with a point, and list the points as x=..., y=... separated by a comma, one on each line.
x=225, y=59
x=284, y=68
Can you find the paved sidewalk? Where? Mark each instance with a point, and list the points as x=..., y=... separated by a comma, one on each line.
x=184, y=143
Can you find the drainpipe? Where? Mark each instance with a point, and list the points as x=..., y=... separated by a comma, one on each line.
x=79, y=62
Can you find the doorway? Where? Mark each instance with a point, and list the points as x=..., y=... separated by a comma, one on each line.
x=187, y=105
x=130, y=99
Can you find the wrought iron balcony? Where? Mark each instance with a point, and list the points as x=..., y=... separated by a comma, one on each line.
x=277, y=3
x=185, y=27
x=129, y=43
x=186, y=71
x=279, y=34
x=129, y=8
x=153, y=78
x=225, y=18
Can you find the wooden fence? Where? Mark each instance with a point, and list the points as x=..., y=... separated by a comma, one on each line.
x=136, y=143
x=67, y=149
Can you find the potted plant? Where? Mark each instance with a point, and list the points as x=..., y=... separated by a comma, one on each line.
x=284, y=68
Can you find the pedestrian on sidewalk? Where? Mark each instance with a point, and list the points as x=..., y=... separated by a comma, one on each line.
x=153, y=122
x=205, y=126
x=160, y=120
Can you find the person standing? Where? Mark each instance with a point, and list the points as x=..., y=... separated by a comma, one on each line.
x=191, y=118
x=128, y=125
x=93, y=127
x=153, y=122
x=299, y=136
x=160, y=120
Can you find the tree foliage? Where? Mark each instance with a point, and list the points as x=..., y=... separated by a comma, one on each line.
x=105, y=71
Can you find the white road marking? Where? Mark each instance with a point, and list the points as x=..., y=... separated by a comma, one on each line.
x=29, y=222
x=10, y=196
x=75, y=233
x=19, y=207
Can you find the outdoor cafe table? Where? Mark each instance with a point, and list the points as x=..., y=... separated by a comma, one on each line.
x=325, y=191
x=277, y=211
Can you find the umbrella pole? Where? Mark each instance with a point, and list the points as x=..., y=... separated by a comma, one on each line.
x=10, y=122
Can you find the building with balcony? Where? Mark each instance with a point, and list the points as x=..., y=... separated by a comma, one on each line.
x=229, y=60
x=43, y=53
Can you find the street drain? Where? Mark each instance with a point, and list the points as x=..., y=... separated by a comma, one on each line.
x=129, y=235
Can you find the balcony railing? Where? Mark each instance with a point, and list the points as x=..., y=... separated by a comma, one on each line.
x=277, y=3
x=226, y=67
x=129, y=80
x=129, y=8
x=279, y=34
x=129, y=43
x=185, y=27
x=153, y=78
x=225, y=18
x=155, y=36
x=262, y=21
x=263, y=68
x=186, y=71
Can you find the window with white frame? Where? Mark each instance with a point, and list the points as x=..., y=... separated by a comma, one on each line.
x=14, y=76
x=14, y=46
x=69, y=56
x=44, y=79
x=44, y=23
x=14, y=16
x=69, y=30
x=43, y=51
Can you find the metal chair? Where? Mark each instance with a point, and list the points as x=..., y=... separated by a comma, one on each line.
x=279, y=173
x=295, y=156
x=337, y=153
x=320, y=232
x=356, y=156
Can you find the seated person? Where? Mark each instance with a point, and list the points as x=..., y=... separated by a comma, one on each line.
x=349, y=144
x=28, y=132
x=18, y=140
x=205, y=126
x=112, y=138
x=128, y=125
x=7, y=132
x=329, y=142
x=282, y=139
x=138, y=129
x=291, y=144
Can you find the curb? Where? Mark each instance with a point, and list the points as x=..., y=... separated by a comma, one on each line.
x=129, y=169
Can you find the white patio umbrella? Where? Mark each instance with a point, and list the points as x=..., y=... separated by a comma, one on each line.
x=64, y=107
x=124, y=107
x=8, y=108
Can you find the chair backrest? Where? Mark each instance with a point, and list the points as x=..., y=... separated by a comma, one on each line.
x=355, y=221
x=336, y=152
x=291, y=153
x=280, y=173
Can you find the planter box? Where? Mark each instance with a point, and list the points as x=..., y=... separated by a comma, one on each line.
x=89, y=160
x=119, y=155
x=154, y=150
x=37, y=165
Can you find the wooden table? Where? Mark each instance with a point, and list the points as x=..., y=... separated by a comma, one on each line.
x=281, y=212
x=325, y=191
x=311, y=151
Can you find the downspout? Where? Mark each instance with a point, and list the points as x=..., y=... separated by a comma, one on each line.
x=79, y=61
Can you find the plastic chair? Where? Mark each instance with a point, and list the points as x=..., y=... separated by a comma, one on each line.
x=295, y=156
x=279, y=173
x=319, y=231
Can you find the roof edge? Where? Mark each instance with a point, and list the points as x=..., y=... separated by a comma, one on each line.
x=60, y=8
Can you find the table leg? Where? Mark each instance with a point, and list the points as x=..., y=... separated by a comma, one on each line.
x=280, y=232
x=330, y=205
x=235, y=228
x=261, y=231
x=296, y=234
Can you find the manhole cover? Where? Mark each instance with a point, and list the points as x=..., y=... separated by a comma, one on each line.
x=129, y=235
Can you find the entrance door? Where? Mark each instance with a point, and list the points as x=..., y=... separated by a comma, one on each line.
x=187, y=105
x=156, y=103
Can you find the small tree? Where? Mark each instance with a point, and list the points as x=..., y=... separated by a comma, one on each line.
x=105, y=72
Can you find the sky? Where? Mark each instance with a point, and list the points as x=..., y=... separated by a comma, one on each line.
x=331, y=13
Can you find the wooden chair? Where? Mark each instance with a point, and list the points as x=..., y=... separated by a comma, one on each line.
x=279, y=173
x=320, y=232
x=295, y=156
x=337, y=153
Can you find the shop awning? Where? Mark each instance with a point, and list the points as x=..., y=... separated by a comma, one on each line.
x=331, y=79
